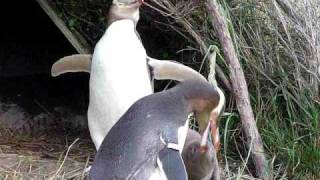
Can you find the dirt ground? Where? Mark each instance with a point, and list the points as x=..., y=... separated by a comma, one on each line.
x=38, y=123
x=45, y=156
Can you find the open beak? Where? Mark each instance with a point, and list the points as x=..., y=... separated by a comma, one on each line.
x=204, y=139
x=212, y=124
x=215, y=129
x=205, y=125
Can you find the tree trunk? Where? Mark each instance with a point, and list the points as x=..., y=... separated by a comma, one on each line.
x=240, y=90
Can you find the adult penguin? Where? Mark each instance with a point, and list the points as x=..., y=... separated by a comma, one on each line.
x=120, y=74
x=147, y=141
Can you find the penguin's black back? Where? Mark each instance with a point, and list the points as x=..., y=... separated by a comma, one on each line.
x=132, y=145
x=130, y=149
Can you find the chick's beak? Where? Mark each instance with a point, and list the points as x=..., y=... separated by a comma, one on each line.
x=204, y=139
x=212, y=124
x=215, y=130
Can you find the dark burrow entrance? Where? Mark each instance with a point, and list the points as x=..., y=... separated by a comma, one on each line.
x=30, y=44
x=40, y=116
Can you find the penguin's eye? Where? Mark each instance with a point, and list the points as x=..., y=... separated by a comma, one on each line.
x=193, y=154
x=194, y=149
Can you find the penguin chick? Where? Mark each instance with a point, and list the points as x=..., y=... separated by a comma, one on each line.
x=200, y=165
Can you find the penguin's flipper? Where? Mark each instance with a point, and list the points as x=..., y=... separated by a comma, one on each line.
x=165, y=69
x=171, y=164
x=72, y=63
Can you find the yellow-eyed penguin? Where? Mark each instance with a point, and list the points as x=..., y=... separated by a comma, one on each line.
x=146, y=143
x=119, y=70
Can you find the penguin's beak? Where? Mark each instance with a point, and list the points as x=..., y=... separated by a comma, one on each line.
x=140, y=1
x=204, y=139
x=215, y=129
x=171, y=164
x=213, y=117
x=213, y=125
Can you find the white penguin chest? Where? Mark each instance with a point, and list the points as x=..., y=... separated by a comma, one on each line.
x=119, y=68
x=119, y=77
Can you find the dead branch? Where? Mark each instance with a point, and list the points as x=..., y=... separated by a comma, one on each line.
x=240, y=90
x=77, y=41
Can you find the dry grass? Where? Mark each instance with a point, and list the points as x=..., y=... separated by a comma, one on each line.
x=51, y=155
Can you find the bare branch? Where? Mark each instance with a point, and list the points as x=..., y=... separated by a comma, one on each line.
x=240, y=90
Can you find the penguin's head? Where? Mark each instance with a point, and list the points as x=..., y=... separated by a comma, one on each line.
x=207, y=102
x=199, y=163
x=127, y=3
x=124, y=9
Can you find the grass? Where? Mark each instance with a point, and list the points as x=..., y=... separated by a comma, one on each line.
x=48, y=155
x=280, y=54
x=278, y=43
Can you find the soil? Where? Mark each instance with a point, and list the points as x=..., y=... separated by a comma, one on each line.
x=40, y=117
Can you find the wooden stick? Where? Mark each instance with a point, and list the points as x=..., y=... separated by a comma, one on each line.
x=77, y=41
x=240, y=90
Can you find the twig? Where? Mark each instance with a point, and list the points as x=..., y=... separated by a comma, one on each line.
x=64, y=159
x=240, y=90
x=85, y=168
x=43, y=107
